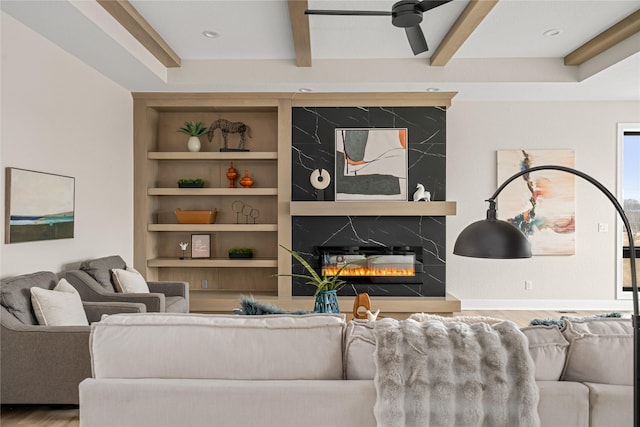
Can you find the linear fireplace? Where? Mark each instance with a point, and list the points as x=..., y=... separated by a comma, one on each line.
x=393, y=271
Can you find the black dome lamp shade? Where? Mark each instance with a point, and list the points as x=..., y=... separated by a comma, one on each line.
x=492, y=238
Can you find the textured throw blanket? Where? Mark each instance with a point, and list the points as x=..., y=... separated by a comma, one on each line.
x=453, y=374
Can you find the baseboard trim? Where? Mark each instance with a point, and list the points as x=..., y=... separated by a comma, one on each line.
x=555, y=305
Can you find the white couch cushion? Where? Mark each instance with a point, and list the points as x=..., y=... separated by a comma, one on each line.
x=548, y=349
x=604, y=359
x=359, y=346
x=173, y=345
x=61, y=306
x=129, y=281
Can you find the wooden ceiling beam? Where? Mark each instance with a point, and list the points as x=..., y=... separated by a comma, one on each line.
x=605, y=40
x=300, y=31
x=472, y=15
x=132, y=21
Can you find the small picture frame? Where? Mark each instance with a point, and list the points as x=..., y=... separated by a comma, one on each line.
x=201, y=246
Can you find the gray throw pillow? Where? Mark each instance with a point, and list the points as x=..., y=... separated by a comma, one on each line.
x=16, y=295
x=100, y=269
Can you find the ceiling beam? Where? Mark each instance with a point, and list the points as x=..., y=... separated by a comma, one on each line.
x=467, y=22
x=605, y=40
x=132, y=21
x=300, y=31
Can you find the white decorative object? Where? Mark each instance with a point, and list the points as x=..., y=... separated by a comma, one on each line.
x=421, y=195
x=129, y=281
x=193, y=144
x=320, y=179
x=372, y=316
x=61, y=306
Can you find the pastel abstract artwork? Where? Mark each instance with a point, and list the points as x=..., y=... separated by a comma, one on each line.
x=540, y=204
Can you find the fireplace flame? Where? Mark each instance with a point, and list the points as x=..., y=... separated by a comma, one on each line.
x=369, y=271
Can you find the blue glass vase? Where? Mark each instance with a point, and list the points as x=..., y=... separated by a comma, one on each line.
x=327, y=302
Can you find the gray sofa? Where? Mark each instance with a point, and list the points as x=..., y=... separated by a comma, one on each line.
x=44, y=364
x=312, y=370
x=94, y=283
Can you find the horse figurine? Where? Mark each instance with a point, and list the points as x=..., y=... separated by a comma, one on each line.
x=227, y=127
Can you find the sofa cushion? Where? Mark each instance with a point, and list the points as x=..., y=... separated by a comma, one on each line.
x=171, y=345
x=129, y=281
x=574, y=328
x=605, y=359
x=548, y=348
x=16, y=295
x=611, y=405
x=61, y=306
x=100, y=269
x=563, y=404
x=359, y=346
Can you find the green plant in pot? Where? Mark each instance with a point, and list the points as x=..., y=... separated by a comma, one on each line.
x=240, y=253
x=191, y=183
x=194, y=130
x=326, y=286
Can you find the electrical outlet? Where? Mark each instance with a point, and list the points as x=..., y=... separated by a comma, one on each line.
x=603, y=227
x=528, y=285
x=204, y=284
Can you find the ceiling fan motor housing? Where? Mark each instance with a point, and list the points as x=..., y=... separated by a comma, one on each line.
x=405, y=14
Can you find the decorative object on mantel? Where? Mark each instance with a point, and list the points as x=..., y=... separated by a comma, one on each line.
x=232, y=174
x=191, y=183
x=361, y=304
x=240, y=253
x=196, y=217
x=496, y=239
x=320, y=180
x=326, y=297
x=421, y=195
x=372, y=317
x=194, y=130
x=240, y=208
x=183, y=248
x=227, y=127
x=246, y=180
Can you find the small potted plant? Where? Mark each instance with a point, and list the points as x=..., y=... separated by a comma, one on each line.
x=194, y=130
x=191, y=183
x=240, y=253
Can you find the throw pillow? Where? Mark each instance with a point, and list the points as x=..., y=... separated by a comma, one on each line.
x=100, y=269
x=596, y=326
x=61, y=306
x=252, y=307
x=604, y=359
x=129, y=281
x=548, y=349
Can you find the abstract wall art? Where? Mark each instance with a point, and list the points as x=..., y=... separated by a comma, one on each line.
x=540, y=204
x=371, y=164
x=38, y=206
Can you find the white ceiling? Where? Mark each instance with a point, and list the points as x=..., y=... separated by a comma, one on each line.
x=506, y=58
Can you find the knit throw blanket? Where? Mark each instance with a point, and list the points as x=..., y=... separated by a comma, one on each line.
x=453, y=374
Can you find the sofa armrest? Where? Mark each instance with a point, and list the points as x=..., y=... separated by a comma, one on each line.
x=95, y=310
x=170, y=289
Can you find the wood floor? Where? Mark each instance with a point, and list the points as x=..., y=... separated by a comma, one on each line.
x=68, y=416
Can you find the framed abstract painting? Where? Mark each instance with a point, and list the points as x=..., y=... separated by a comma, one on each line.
x=540, y=204
x=38, y=206
x=371, y=164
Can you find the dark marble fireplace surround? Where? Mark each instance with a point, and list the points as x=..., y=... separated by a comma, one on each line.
x=313, y=147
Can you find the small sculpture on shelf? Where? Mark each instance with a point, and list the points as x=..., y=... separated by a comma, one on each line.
x=421, y=195
x=240, y=208
x=232, y=174
x=246, y=180
x=183, y=248
x=227, y=127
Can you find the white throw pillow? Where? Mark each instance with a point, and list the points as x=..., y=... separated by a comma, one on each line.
x=61, y=306
x=129, y=281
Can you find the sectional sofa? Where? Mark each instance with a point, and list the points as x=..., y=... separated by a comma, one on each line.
x=316, y=370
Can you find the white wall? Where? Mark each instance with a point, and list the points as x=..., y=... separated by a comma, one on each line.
x=475, y=130
x=60, y=116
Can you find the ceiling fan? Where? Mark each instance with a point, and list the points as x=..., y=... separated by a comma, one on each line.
x=405, y=14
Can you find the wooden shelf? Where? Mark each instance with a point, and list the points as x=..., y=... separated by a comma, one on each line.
x=227, y=155
x=212, y=227
x=373, y=208
x=212, y=262
x=212, y=191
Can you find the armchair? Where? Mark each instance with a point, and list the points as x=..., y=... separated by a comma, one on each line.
x=93, y=283
x=44, y=364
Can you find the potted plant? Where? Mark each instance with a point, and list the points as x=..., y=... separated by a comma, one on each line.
x=194, y=130
x=240, y=253
x=326, y=286
x=191, y=183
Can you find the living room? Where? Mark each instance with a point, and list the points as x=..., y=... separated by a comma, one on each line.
x=79, y=122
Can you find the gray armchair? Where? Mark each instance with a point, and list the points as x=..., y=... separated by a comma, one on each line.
x=44, y=364
x=93, y=283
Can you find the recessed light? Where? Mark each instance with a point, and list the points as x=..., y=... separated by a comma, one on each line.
x=432, y=89
x=211, y=34
x=305, y=89
x=552, y=32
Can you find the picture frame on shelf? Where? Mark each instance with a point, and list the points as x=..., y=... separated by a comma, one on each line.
x=201, y=246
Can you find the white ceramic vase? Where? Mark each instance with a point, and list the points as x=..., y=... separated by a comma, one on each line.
x=193, y=144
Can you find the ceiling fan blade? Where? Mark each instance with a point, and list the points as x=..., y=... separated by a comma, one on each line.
x=416, y=39
x=430, y=4
x=347, y=12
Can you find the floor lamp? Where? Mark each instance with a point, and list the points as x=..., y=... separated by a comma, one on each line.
x=493, y=238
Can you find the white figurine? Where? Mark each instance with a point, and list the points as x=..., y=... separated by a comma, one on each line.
x=420, y=195
x=183, y=245
x=372, y=316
